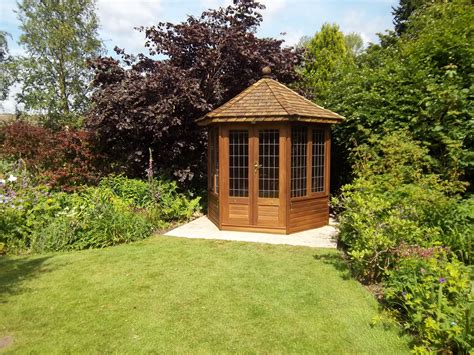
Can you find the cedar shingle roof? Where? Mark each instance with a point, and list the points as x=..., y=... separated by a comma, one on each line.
x=268, y=100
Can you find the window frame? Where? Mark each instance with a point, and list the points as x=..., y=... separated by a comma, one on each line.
x=213, y=160
x=309, y=162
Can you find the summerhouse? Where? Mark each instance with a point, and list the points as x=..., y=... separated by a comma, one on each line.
x=268, y=160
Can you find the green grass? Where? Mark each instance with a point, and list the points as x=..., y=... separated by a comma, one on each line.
x=178, y=295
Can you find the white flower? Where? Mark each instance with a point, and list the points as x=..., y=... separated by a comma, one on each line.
x=2, y=181
x=12, y=178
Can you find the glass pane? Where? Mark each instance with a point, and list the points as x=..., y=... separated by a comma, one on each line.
x=317, y=183
x=299, y=139
x=238, y=163
x=269, y=163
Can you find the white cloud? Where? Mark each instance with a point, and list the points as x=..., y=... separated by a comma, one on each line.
x=9, y=105
x=214, y=4
x=292, y=36
x=119, y=17
x=360, y=22
x=272, y=8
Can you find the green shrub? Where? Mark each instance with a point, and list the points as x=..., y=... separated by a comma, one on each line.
x=432, y=294
x=135, y=191
x=95, y=218
x=393, y=200
x=403, y=226
x=161, y=198
x=119, y=210
x=23, y=207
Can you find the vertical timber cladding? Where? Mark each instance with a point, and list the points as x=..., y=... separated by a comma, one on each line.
x=309, y=196
x=213, y=175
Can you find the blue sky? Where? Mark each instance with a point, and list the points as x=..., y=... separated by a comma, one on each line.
x=295, y=18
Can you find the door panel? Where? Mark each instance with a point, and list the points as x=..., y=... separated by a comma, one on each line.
x=238, y=200
x=267, y=197
x=255, y=178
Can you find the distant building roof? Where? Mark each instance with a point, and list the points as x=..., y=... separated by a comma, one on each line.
x=268, y=100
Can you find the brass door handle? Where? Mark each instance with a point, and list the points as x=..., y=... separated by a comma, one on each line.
x=256, y=166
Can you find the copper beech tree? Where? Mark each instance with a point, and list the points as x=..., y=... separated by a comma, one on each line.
x=144, y=102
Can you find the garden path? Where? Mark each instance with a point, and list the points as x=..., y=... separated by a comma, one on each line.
x=203, y=228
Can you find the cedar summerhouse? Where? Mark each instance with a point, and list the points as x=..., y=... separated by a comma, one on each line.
x=268, y=160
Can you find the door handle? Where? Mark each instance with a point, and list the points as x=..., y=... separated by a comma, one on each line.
x=256, y=166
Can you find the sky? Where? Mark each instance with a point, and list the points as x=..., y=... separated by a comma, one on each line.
x=282, y=19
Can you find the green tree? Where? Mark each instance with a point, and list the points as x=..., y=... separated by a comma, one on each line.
x=354, y=44
x=5, y=77
x=59, y=36
x=324, y=53
x=401, y=13
x=422, y=82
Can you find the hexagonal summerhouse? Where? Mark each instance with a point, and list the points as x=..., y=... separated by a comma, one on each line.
x=268, y=160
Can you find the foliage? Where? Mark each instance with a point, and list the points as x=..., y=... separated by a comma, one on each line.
x=405, y=227
x=5, y=77
x=148, y=103
x=354, y=44
x=394, y=199
x=325, y=52
x=404, y=11
x=3, y=45
x=160, y=197
x=63, y=159
x=59, y=37
x=421, y=82
x=433, y=296
x=119, y=210
x=96, y=218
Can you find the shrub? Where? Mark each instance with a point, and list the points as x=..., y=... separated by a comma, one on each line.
x=405, y=227
x=95, y=218
x=62, y=159
x=393, y=200
x=137, y=192
x=119, y=210
x=160, y=197
x=23, y=207
x=432, y=294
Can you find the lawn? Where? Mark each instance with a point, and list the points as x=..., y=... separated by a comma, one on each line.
x=177, y=295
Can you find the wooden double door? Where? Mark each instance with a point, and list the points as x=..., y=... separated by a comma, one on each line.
x=254, y=178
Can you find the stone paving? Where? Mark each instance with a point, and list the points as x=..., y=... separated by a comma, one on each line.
x=203, y=228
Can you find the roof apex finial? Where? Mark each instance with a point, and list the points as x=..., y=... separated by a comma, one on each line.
x=266, y=71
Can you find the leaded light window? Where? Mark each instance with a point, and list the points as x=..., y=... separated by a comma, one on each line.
x=238, y=163
x=269, y=163
x=318, y=161
x=299, y=154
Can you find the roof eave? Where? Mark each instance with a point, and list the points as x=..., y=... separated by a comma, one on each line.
x=206, y=120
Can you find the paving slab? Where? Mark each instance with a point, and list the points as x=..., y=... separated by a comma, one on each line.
x=203, y=228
